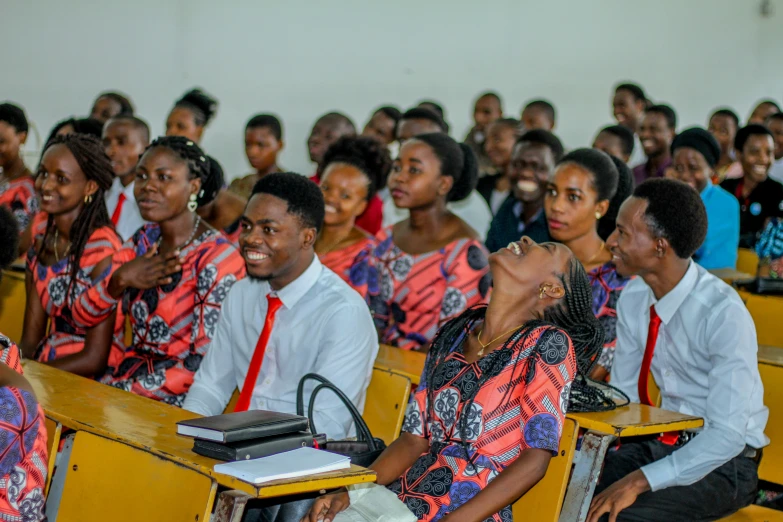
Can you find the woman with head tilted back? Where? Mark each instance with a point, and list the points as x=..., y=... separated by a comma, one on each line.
x=353, y=170
x=71, y=249
x=23, y=444
x=430, y=266
x=488, y=414
x=577, y=197
x=170, y=278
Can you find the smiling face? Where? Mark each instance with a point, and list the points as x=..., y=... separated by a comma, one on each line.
x=762, y=112
x=274, y=243
x=261, y=148
x=571, y=203
x=529, y=170
x=486, y=110
x=524, y=266
x=723, y=129
x=689, y=166
x=345, y=190
x=627, y=110
x=124, y=144
x=163, y=185
x=182, y=123
x=655, y=135
x=633, y=247
x=415, y=180
x=63, y=185
x=757, y=156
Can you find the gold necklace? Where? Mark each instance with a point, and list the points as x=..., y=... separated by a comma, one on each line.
x=484, y=346
x=54, y=245
x=335, y=244
x=600, y=249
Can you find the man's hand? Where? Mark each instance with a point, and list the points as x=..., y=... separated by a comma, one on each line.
x=618, y=496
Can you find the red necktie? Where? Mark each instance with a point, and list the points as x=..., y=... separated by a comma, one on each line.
x=652, y=337
x=115, y=216
x=273, y=305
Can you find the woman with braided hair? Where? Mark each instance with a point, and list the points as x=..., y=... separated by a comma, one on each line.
x=71, y=249
x=171, y=277
x=488, y=414
x=191, y=114
x=218, y=207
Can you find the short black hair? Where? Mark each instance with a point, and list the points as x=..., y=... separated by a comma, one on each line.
x=625, y=186
x=9, y=238
x=728, y=113
x=126, y=106
x=542, y=105
x=438, y=109
x=88, y=126
x=303, y=196
x=188, y=151
x=754, y=129
x=511, y=123
x=675, y=212
x=457, y=161
x=422, y=113
x=636, y=90
x=14, y=116
x=624, y=134
x=490, y=94
x=665, y=111
x=778, y=116
x=601, y=167
x=366, y=154
x=202, y=105
x=390, y=111
x=266, y=121
x=768, y=102
x=544, y=137
x=137, y=123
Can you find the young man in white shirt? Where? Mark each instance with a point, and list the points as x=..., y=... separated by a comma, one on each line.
x=322, y=325
x=628, y=105
x=695, y=334
x=124, y=140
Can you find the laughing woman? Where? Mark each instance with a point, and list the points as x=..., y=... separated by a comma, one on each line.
x=171, y=276
x=489, y=412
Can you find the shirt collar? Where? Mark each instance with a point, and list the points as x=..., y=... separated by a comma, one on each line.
x=518, y=206
x=296, y=289
x=668, y=305
x=708, y=190
x=119, y=189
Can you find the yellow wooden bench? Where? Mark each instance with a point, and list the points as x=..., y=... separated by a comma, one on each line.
x=404, y=362
x=767, y=313
x=384, y=408
x=12, y=304
x=747, y=261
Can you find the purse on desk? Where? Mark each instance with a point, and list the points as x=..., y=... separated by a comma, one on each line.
x=763, y=286
x=365, y=449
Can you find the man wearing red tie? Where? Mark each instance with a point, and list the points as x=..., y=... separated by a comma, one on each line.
x=124, y=140
x=695, y=335
x=289, y=317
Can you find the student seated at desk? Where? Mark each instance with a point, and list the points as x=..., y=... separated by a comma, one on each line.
x=354, y=168
x=430, y=267
x=171, y=277
x=70, y=251
x=16, y=181
x=289, y=317
x=696, y=336
x=488, y=415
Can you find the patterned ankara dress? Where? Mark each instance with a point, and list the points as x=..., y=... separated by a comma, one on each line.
x=411, y=296
x=24, y=461
x=19, y=197
x=352, y=263
x=501, y=423
x=172, y=325
x=607, y=284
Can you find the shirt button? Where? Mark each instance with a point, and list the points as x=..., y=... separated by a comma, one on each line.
x=267, y=381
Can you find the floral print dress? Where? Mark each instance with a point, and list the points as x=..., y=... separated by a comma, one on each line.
x=351, y=263
x=19, y=197
x=512, y=412
x=606, y=285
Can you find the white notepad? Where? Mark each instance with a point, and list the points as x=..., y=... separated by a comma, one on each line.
x=290, y=464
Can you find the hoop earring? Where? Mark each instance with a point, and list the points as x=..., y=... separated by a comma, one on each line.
x=192, y=203
x=542, y=290
x=88, y=199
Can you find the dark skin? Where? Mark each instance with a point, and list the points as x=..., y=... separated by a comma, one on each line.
x=326, y=131
x=627, y=109
x=104, y=109
x=529, y=170
x=223, y=211
x=11, y=161
x=723, y=128
x=689, y=166
x=656, y=137
x=63, y=188
x=611, y=144
x=486, y=110
x=345, y=190
x=636, y=251
x=413, y=127
x=417, y=184
x=380, y=127
x=756, y=158
x=536, y=118
x=499, y=145
x=775, y=126
x=182, y=122
x=8, y=377
x=520, y=278
x=276, y=245
x=261, y=149
x=762, y=111
x=124, y=144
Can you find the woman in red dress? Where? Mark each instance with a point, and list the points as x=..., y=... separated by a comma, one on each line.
x=432, y=266
x=489, y=412
x=353, y=171
x=70, y=251
x=171, y=276
x=17, y=191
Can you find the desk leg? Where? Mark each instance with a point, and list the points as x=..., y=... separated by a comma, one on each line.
x=585, y=476
x=231, y=506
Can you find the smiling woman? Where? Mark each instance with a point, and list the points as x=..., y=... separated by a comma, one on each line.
x=17, y=192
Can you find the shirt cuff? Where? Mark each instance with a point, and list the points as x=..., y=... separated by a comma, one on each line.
x=660, y=474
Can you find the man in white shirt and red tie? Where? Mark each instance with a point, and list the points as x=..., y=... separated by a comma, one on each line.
x=124, y=140
x=289, y=317
x=698, y=339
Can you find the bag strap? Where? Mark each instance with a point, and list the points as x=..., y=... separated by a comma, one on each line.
x=362, y=430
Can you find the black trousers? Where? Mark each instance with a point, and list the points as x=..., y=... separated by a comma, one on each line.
x=719, y=494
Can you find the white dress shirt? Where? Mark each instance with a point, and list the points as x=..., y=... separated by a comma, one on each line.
x=473, y=210
x=323, y=327
x=130, y=218
x=776, y=172
x=705, y=363
x=638, y=157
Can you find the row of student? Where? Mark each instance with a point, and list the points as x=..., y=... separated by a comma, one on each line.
x=488, y=414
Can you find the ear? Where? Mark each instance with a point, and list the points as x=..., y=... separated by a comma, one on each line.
x=280, y=145
x=22, y=137
x=552, y=291
x=308, y=236
x=90, y=188
x=661, y=247
x=444, y=185
x=195, y=186
x=199, y=134
x=602, y=207
x=361, y=207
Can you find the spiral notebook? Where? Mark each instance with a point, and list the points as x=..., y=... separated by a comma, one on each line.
x=290, y=464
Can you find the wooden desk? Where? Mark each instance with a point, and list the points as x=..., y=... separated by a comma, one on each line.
x=85, y=405
x=729, y=275
x=13, y=298
x=771, y=355
x=405, y=362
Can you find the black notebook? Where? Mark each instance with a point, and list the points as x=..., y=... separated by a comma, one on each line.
x=257, y=448
x=245, y=425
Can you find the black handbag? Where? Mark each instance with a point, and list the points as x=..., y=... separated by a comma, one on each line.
x=365, y=449
x=763, y=286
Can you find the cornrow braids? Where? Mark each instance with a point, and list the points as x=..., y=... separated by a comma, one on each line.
x=96, y=166
x=189, y=151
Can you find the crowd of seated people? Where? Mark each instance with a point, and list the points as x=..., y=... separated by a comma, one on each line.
x=517, y=265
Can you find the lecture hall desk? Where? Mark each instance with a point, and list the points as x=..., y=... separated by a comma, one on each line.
x=85, y=405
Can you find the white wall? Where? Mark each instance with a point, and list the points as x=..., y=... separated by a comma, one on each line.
x=299, y=59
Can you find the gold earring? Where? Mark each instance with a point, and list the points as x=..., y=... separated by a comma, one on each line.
x=598, y=215
x=88, y=199
x=542, y=291
x=192, y=203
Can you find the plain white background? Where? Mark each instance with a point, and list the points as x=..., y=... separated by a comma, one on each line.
x=299, y=59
